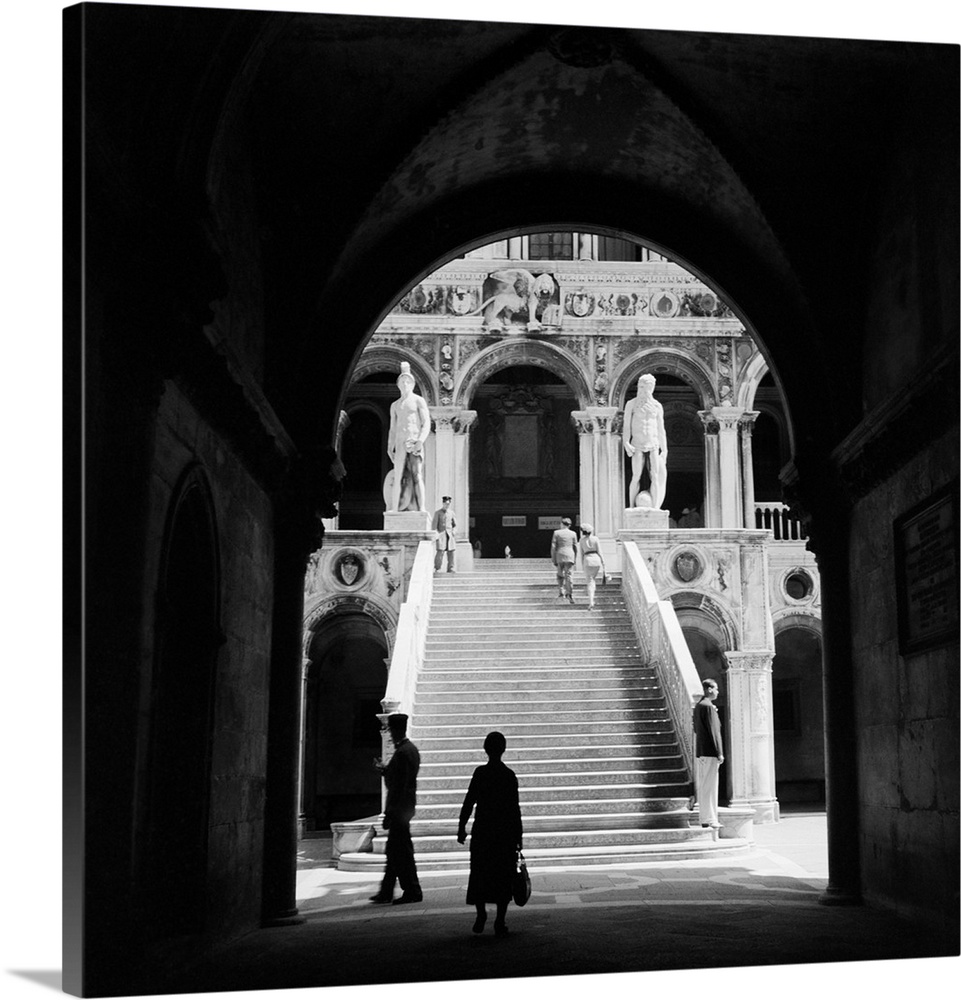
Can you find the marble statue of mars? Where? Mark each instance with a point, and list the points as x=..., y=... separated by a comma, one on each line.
x=409, y=429
x=646, y=441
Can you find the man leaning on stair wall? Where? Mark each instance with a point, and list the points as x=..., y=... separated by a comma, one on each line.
x=400, y=777
x=709, y=750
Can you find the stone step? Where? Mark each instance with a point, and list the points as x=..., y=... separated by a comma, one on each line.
x=509, y=716
x=658, y=784
x=633, y=751
x=500, y=703
x=521, y=644
x=527, y=744
x=520, y=679
x=580, y=822
x=536, y=802
x=554, y=798
x=598, y=622
x=476, y=729
x=565, y=765
x=476, y=693
x=704, y=846
x=585, y=661
x=553, y=839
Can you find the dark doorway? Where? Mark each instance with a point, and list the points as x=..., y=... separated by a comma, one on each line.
x=523, y=462
x=346, y=679
x=798, y=716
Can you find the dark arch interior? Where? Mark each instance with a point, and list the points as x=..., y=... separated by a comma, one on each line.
x=346, y=678
x=798, y=716
x=523, y=461
x=176, y=814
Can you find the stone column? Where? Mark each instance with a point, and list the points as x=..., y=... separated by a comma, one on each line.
x=712, y=470
x=301, y=771
x=584, y=426
x=515, y=248
x=729, y=461
x=750, y=739
x=600, y=476
x=585, y=246
x=830, y=541
x=747, y=465
x=281, y=807
x=451, y=472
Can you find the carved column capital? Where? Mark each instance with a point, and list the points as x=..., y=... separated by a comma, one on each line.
x=583, y=421
x=727, y=417
x=750, y=661
x=452, y=418
x=606, y=419
x=711, y=425
x=746, y=421
x=464, y=421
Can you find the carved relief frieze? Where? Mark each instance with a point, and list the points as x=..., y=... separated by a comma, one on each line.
x=467, y=347
x=725, y=373
x=580, y=302
x=706, y=303
x=622, y=303
x=580, y=347
x=424, y=299
x=462, y=300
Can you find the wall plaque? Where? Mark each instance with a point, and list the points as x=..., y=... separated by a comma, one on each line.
x=926, y=564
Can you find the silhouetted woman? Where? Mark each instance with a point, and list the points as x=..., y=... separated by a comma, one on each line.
x=496, y=835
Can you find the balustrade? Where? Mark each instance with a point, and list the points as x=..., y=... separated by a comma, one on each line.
x=777, y=518
x=411, y=641
x=661, y=639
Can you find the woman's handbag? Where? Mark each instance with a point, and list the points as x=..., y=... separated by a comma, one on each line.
x=521, y=884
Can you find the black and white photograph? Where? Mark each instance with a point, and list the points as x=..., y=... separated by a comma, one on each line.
x=509, y=463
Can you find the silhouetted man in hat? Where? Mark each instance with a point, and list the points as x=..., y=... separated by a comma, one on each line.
x=400, y=777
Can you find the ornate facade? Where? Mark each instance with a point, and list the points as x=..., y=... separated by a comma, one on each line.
x=526, y=366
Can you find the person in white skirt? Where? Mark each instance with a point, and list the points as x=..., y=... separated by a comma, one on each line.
x=592, y=562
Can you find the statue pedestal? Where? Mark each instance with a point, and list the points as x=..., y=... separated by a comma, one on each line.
x=406, y=520
x=646, y=519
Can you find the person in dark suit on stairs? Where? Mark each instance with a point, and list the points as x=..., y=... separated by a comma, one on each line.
x=563, y=556
x=496, y=835
x=445, y=525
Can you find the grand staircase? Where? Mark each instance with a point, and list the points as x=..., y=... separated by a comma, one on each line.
x=588, y=731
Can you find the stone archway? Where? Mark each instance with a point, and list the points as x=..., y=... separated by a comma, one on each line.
x=524, y=459
x=539, y=354
x=798, y=701
x=346, y=659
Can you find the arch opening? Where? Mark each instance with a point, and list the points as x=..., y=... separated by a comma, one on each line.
x=346, y=679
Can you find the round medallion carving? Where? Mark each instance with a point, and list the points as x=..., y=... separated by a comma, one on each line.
x=687, y=566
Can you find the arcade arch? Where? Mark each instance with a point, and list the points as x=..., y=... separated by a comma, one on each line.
x=345, y=680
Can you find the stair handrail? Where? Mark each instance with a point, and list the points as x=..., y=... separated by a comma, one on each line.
x=410, y=642
x=660, y=636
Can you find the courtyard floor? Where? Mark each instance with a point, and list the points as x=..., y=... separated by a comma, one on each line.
x=759, y=909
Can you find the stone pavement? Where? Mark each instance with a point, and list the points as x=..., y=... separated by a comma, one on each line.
x=757, y=909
